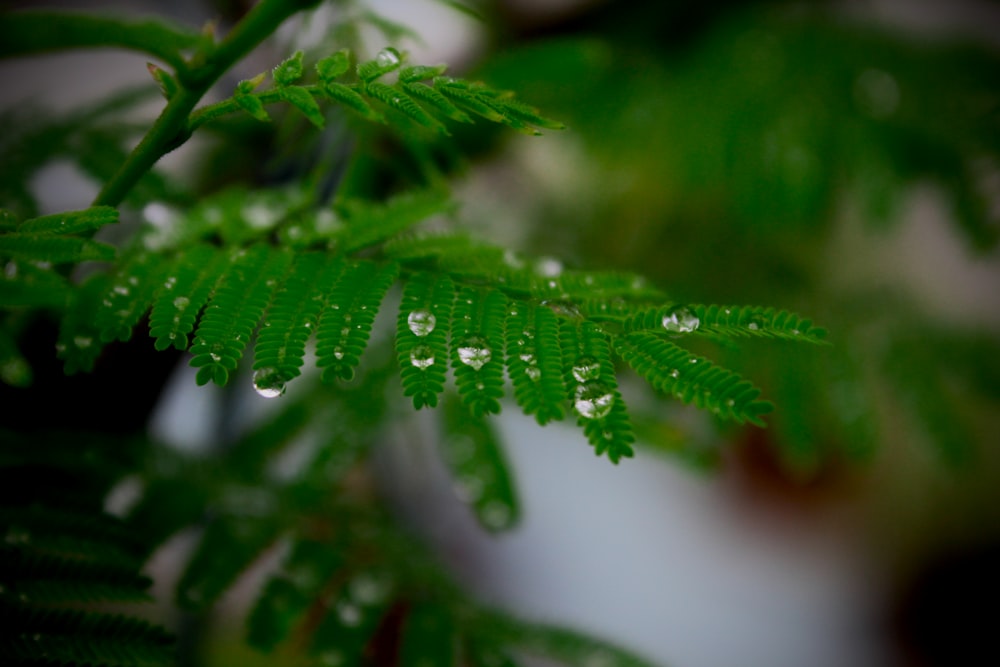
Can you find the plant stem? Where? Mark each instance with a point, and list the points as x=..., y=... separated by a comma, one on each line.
x=170, y=129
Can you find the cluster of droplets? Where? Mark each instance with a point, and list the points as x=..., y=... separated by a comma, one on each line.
x=592, y=399
x=526, y=353
x=680, y=320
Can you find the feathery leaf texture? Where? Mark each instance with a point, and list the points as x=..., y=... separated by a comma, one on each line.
x=477, y=340
x=368, y=223
x=478, y=467
x=410, y=98
x=52, y=248
x=187, y=286
x=590, y=373
x=422, y=326
x=692, y=379
x=346, y=324
x=534, y=361
x=128, y=297
x=280, y=347
x=727, y=322
x=71, y=222
x=235, y=309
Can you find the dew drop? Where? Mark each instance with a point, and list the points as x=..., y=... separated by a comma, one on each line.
x=496, y=514
x=528, y=357
x=345, y=332
x=533, y=372
x=422, y=356
x=674, y=373
x=593, y=400
x=215, y=357
x=549, y=267
x=349, y=614
x=268, y=382
x=181, y=302
x=796, y=332
x=421, y=322
x=338, y=353
x=680, y=320
x=474, y=352
x=753, y=326
x=586, y=368
x=120, y=290
x=368, y=589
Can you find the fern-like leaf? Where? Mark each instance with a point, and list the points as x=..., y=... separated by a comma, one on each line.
x=726, y=322
x=280, y=348
x=590, y=373
x=129, y=296
x=345, y=325
x=78, y=344
x=71, y=222
x=692, y=379
x=477, y=338
x=534, y=361
x=421, y=336
x=32, y=284
x=370, y=223
x=478, y=467
x=187, y=285
x=399, y=100
x=52, y=248
x=234, y=311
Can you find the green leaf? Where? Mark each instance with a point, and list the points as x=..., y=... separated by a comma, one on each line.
x=346, y=323
x=46, y=247
x=534, y=362
x=421, y=336
x=351, y=99
x=388, y=59
x=429, y=637
x=726, y=322
x=253, y=106
x=130, y=294
x=478, y=468
x=189, y=282
x=333, y=66
x=370, y=223
x=289, y=71
x=71, y=222
x=396, y=99
x=690, y=378
x=477, y=339
x=303, y=100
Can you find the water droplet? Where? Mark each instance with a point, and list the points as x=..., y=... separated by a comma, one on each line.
x=181, y=302
x=593, y=400
x=731, y=402
x=422, y=356
x=511, y=259
x=528, y=357
x=528, y=333
x=345, y=332
x=586, y=368
x=10, y=269
x=474, y=352
x=259, y=216
x=796, y=332
x=533, y=372
x=215, y=357
x=421, y=322
x=82, y=342
x=369, y=589
x=674, y=373
x=496, y=514
x=692, y=361
x=680, y=320
x=549, y=267
x=469, y=488
x=338, y=353
x=753, y=326
x=121, y=290
x=268, y=382
x=170, y=282
x=349, y=613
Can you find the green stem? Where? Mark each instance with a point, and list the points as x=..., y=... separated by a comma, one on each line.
x=170, y=129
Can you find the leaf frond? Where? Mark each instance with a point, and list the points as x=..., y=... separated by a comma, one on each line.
x=534, y=361
x=477, y=342
x=425, y=313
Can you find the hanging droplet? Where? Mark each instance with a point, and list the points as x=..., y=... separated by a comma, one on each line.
x=422, y=356
x=421, y=322
x=586, y=368
x=496, y=514
x=474, y=352
x=268, y=382
x=387, y=57
x=593, y=400
x=681, y=320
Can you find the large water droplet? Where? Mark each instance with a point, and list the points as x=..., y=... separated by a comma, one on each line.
x=422, y=356
x=586, y=368
x=421, y=322
x=387, y=57
x=549, y=267
x=593, y=400
x=475, y=352
x=681, y=320
x=268, y=382
x=496, y=514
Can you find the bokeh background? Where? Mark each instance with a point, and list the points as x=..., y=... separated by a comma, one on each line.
x=838, y=159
